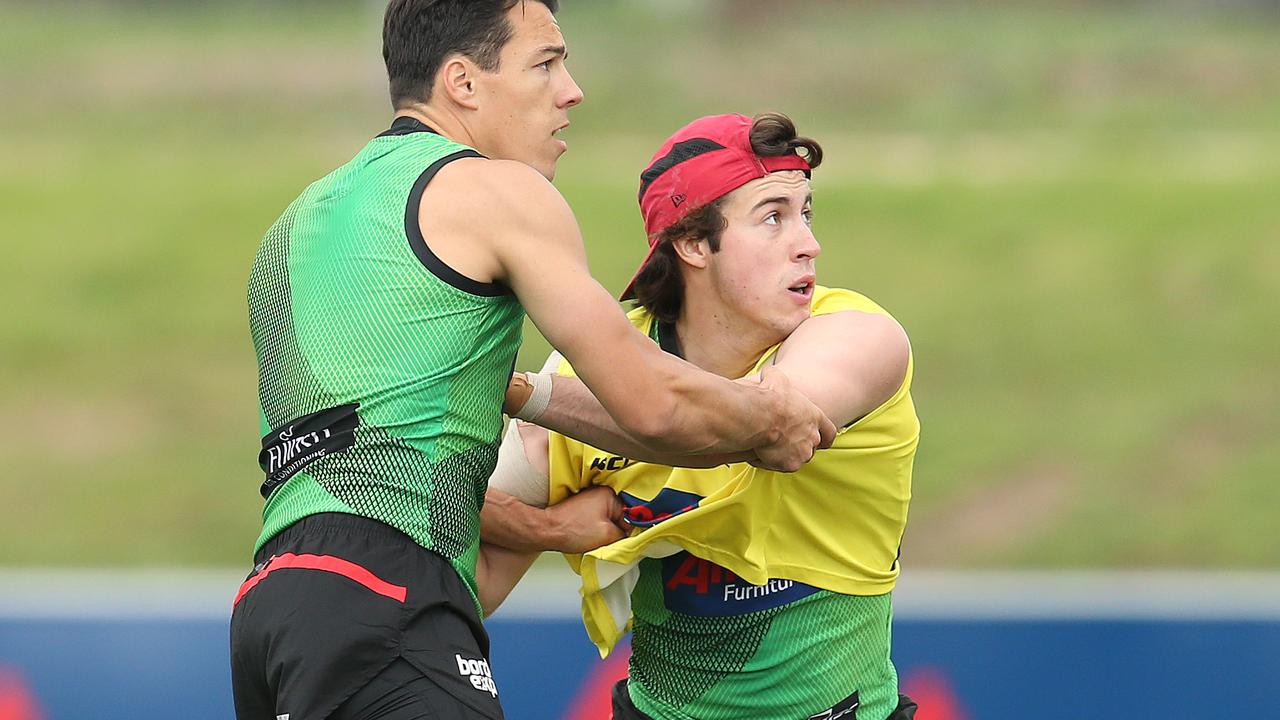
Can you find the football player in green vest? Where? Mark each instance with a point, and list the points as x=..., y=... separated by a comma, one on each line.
x=386, y=305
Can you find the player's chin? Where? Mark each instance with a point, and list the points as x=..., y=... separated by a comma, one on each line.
x=546, y=168
x=548, y=162
x=793, y=320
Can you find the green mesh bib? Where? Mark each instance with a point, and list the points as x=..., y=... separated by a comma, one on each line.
x=783, y=663
x=381, y=370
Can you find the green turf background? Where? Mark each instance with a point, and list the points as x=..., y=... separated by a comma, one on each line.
x=1074, y=209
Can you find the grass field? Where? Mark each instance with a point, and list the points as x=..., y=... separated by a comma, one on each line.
x=1074, y=211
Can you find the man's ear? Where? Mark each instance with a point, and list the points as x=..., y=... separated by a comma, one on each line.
x=692, y=251
x=457, y=80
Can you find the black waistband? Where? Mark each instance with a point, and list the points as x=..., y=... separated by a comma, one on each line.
x=329, y=522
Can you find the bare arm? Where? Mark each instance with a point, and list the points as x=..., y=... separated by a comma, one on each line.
x=582, y=522
x=848, y=362
x=498, y=571
x=660, y=401
x=575, y=412
x=514, y=530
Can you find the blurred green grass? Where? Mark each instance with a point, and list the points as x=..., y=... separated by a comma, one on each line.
x=1072, y=209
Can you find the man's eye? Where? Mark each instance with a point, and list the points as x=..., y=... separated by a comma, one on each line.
x=771, y=219
x=545, y=65
x=808, y=217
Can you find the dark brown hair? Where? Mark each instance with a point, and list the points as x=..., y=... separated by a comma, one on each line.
x=659, y=286
x=417, y=36
x=774, y=134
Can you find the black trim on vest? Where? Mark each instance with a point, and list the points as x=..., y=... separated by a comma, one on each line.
x=404, y=125
x=679, y=153
x=419, y=244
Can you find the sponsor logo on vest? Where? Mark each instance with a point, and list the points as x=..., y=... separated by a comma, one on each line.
x=278, y=456
x=738, y=593
x=478, y=672
x=700, y=575
x=301, y=441
x=695, y=586
x=615, y=462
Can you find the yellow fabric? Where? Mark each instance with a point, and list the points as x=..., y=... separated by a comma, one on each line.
x=835, y=524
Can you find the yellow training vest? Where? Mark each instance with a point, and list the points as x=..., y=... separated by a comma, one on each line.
x=836, y=524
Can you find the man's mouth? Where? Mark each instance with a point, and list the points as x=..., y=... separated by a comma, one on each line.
x=803, y=288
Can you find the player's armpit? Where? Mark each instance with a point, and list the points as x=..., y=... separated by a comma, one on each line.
x=849, y=363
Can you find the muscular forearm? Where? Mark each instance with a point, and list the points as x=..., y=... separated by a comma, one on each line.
x=584, y=521
x=511, y=524
x=575, y=412
x=671, y=407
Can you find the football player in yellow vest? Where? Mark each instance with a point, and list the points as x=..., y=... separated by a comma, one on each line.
x=751, y=593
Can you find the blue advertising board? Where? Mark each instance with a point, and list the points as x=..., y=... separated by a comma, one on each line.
x=965, y=660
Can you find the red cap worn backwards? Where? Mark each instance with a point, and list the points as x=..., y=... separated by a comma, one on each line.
x=702, y=162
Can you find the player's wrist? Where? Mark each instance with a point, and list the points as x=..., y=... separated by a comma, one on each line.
x=776, y=415
x=555, y=531
x=528, y=395
x=518, y=391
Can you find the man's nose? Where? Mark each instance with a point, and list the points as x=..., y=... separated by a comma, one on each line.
x=807, y=246
x=573, y=94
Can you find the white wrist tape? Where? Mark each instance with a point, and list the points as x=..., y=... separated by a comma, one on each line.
x=538, y=400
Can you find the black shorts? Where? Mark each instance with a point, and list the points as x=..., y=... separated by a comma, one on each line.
x=334, y=600
x=624, y=709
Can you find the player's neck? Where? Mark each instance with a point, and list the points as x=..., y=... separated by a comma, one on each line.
x=716, y=344
x=445, y=123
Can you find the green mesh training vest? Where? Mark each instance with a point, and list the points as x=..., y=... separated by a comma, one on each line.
x=785, y=661
x=381, y=370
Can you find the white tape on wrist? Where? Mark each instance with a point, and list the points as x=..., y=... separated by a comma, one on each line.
x=538, y=400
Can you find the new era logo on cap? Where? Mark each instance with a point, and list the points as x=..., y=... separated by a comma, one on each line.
x=678, y=198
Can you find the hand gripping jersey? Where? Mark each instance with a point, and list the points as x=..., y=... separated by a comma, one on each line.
x=381, y=369
x=754, y=593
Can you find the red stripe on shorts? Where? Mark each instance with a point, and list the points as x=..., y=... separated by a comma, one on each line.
x=327, y=563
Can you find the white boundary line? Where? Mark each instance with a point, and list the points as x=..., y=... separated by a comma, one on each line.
x=550, y=592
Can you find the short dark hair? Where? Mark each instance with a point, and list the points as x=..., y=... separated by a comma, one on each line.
x=659, y=286
x=417, y=36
